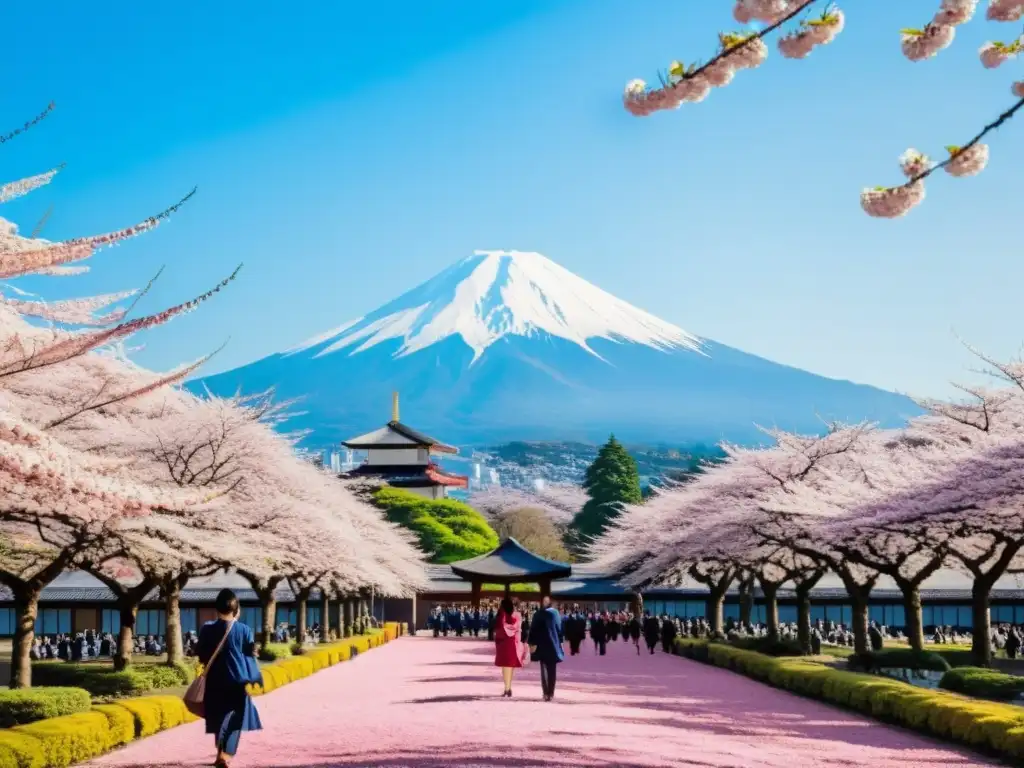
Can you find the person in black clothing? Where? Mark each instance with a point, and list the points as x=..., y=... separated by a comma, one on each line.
x=633, y=630
x=668, y=634
x=490, y=624
x=651, y=631
x=574, y=627
x=613, y=628
x=599, y=633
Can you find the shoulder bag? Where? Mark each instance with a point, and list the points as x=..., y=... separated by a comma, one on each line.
x=196, y=693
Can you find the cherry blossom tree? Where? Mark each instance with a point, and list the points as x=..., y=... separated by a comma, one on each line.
x=746, y=49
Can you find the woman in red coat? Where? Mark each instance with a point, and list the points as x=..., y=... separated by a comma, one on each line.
x=509, y=649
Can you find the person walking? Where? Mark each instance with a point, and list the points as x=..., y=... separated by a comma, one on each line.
x=509, y=649
x=635, y=630
x=652, y=630
x=227, y=647
x=546, y=645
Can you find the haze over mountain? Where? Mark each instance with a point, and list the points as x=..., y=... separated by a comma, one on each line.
x=508, y=345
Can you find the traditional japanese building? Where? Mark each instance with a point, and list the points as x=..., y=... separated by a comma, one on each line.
x=402, y=457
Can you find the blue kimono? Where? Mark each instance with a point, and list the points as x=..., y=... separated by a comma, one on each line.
x=228, y=708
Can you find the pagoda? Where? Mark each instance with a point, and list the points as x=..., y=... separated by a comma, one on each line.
x=402, y=457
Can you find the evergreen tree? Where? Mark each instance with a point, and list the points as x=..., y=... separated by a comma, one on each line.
x=612, y=479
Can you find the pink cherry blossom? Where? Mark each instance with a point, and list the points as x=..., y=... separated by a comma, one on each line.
x=1005, y=10
x=914, y=163
x=968, y=162
x=1017, y=89
x=955, y=12
x=919, y=45
x=892, y=202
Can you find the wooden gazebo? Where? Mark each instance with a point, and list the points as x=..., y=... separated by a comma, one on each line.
x=511, y=563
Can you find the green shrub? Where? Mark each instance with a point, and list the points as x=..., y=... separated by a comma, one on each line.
x=275, y=651
x=70, y=739
x=448, y=529
x=18, y=750
x=121, y=722
x=983, y=683
x=897, y=658
x=768, y=646
x=102, y=681
x=956, y=657
x=18, y=707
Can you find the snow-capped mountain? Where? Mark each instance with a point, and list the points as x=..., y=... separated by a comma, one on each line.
x=509, y=345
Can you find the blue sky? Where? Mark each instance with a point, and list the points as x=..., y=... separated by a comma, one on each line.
x=347, y=151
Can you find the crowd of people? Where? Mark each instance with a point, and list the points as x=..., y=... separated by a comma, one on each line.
x=604, y=627
x=90, y=645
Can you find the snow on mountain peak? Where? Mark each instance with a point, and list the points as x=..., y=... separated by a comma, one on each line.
x=494, y=294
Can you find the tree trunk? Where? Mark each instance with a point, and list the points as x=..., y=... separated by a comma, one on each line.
x=637, y=604
x=715, y=610
x=912, y=611
x=301, y=600
x=364, y=616
x=771, y=608
x=803, y=617
x=746, y=598
x=981, y=637
x=128, y=607
x=859, y=599
x=26, y=608
x=268, y=604
x=171, y=589
x=349, y=617
x=325, y=625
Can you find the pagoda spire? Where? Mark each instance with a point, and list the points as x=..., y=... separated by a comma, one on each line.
x=394, y=406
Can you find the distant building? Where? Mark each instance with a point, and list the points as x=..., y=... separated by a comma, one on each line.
x=401, y=457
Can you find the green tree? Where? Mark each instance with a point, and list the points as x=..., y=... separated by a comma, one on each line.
x=449, y=530
x=612, y=479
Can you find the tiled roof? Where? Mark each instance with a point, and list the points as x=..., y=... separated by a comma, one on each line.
x=511, y=560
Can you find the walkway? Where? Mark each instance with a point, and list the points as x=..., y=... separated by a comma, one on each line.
x=428, y=703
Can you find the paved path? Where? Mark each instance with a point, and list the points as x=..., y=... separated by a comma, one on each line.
x=428, y=703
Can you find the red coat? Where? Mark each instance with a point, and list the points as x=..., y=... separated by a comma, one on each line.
x=509, y=648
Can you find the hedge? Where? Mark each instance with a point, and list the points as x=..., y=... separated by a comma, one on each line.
x=27, y=705
x=102, y=681
x=58, y=742
x=898, y=658
x=985, y=725
x=275, y=651
x=983, y=683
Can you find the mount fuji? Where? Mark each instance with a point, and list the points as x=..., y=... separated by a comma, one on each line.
x=506, y=345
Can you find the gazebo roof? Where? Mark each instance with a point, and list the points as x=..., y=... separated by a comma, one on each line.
x=511, y=562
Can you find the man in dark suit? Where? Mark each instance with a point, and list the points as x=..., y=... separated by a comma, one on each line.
x=546, y=645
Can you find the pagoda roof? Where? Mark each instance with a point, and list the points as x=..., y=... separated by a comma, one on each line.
x=395, y=434
x=510, y=563
x=410, y=475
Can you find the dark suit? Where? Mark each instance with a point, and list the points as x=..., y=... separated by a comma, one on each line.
x=546, y=636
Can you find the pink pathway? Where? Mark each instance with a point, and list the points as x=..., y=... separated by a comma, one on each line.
x=428, y=703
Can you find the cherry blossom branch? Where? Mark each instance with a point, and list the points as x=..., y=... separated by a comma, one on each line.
x=41, y=225
x=972, y=143
x=750, y=40
x=34, y=121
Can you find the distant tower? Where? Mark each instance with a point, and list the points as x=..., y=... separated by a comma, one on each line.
x=476, y=471
x=401, y=457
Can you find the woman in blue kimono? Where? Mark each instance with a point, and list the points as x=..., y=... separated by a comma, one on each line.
x=228, y=708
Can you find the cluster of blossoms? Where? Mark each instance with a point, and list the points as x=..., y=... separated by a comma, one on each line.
x=894, y=202
x=995, y=53
x=766, y=11
x=812, y=33
x=1005, y=10
x=689, y=84
x=746, y=51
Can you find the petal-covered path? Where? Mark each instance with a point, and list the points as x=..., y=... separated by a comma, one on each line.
x=428, y=703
